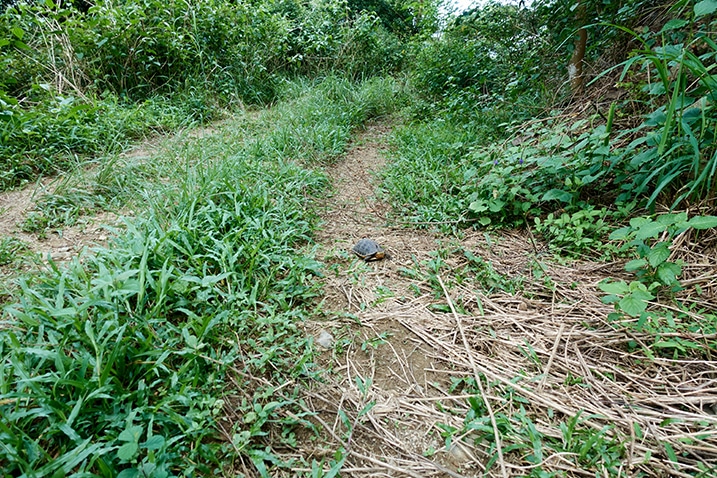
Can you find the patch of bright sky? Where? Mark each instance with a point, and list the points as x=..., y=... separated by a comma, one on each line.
x=459, y=6
x=462, y=5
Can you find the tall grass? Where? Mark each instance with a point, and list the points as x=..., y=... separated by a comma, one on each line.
x=77, y=84
x=674, y=154
x=60, y=132
x=127, y=361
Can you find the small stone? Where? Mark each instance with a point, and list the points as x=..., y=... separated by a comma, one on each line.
x=325, y=339
x=460, y=453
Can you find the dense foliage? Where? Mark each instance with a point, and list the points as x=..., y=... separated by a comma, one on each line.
x=86, y=82
x=642, y=132
x=125, y=363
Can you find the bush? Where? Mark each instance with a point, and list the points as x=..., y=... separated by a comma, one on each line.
x=490, y=53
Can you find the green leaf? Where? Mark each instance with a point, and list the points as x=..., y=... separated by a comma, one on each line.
x=478, y=206
x=367, y=408
x=128, y=451
x=637, y=286
x=668, y=272
x=669, y=344
x=649, y=230
x=129, y=473
x=674, y=24
x=17, y=31
x=632, y=306
x=154, y=443
x=131, y=434
x=259, y=459
x=190, y=339
x=558, y=194
x=638, y=222
x=609, y=299
x=705, y=7
x=618, y=288
x=643, y=157
x=602, y=150
x=635, y=264
x=496, y=205
x=340, y=457
x=670, y=452
x=658, y=254
x=642, y=295
x=620, y=234
x=703, y=222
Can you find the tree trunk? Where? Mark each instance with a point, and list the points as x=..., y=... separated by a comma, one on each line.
x=575, y=67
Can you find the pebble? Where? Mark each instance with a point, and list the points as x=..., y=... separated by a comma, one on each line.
x=325, y=339
x=460, y=453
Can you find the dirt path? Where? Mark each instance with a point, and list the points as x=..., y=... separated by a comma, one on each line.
x=383, y=375
x=409, y=339
x=409, y=349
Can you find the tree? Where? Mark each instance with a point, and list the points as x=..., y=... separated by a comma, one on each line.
x=575, y=67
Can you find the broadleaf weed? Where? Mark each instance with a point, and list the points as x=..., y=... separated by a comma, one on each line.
x=163, y=330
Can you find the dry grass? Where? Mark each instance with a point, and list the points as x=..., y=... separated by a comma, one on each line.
x=406, y=364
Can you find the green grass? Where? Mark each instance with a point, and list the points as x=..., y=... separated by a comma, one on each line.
x=583, y=446
x=60, y=133
x=124, y=361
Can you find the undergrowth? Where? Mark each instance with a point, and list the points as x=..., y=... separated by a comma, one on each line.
x=77, y=82
x=127, y=362
x=62, y=132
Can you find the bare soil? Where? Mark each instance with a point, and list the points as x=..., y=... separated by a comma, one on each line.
x=59, y=244
x=404, y=352
x=400, y=351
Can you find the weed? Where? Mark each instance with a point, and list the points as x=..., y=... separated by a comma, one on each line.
x=580, y=233
x=374, y=343
x=650, y=238
x=674, y=152
x=123, y=363
x=11, y=250
x=586, y=447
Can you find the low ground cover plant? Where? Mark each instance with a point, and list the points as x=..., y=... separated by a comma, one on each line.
x=125, y=361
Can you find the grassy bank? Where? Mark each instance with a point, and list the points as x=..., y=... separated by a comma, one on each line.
x=126, y=360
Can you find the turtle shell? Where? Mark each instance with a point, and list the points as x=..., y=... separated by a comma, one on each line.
x=369, y=250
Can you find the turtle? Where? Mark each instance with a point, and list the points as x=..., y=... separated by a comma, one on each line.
x=369, y=250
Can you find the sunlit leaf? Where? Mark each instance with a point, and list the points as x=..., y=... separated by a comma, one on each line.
x=668, y=273
x=674, y=24
x=632, y=306
x=128, y=451
x=635, y=264
x=658, y=254
x=703, y=222
x=649, y=230
x=618, y=288
x=558, y=194
x=705, y=7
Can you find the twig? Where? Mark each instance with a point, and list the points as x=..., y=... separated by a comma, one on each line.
x=552, y=357
x=496, y=433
